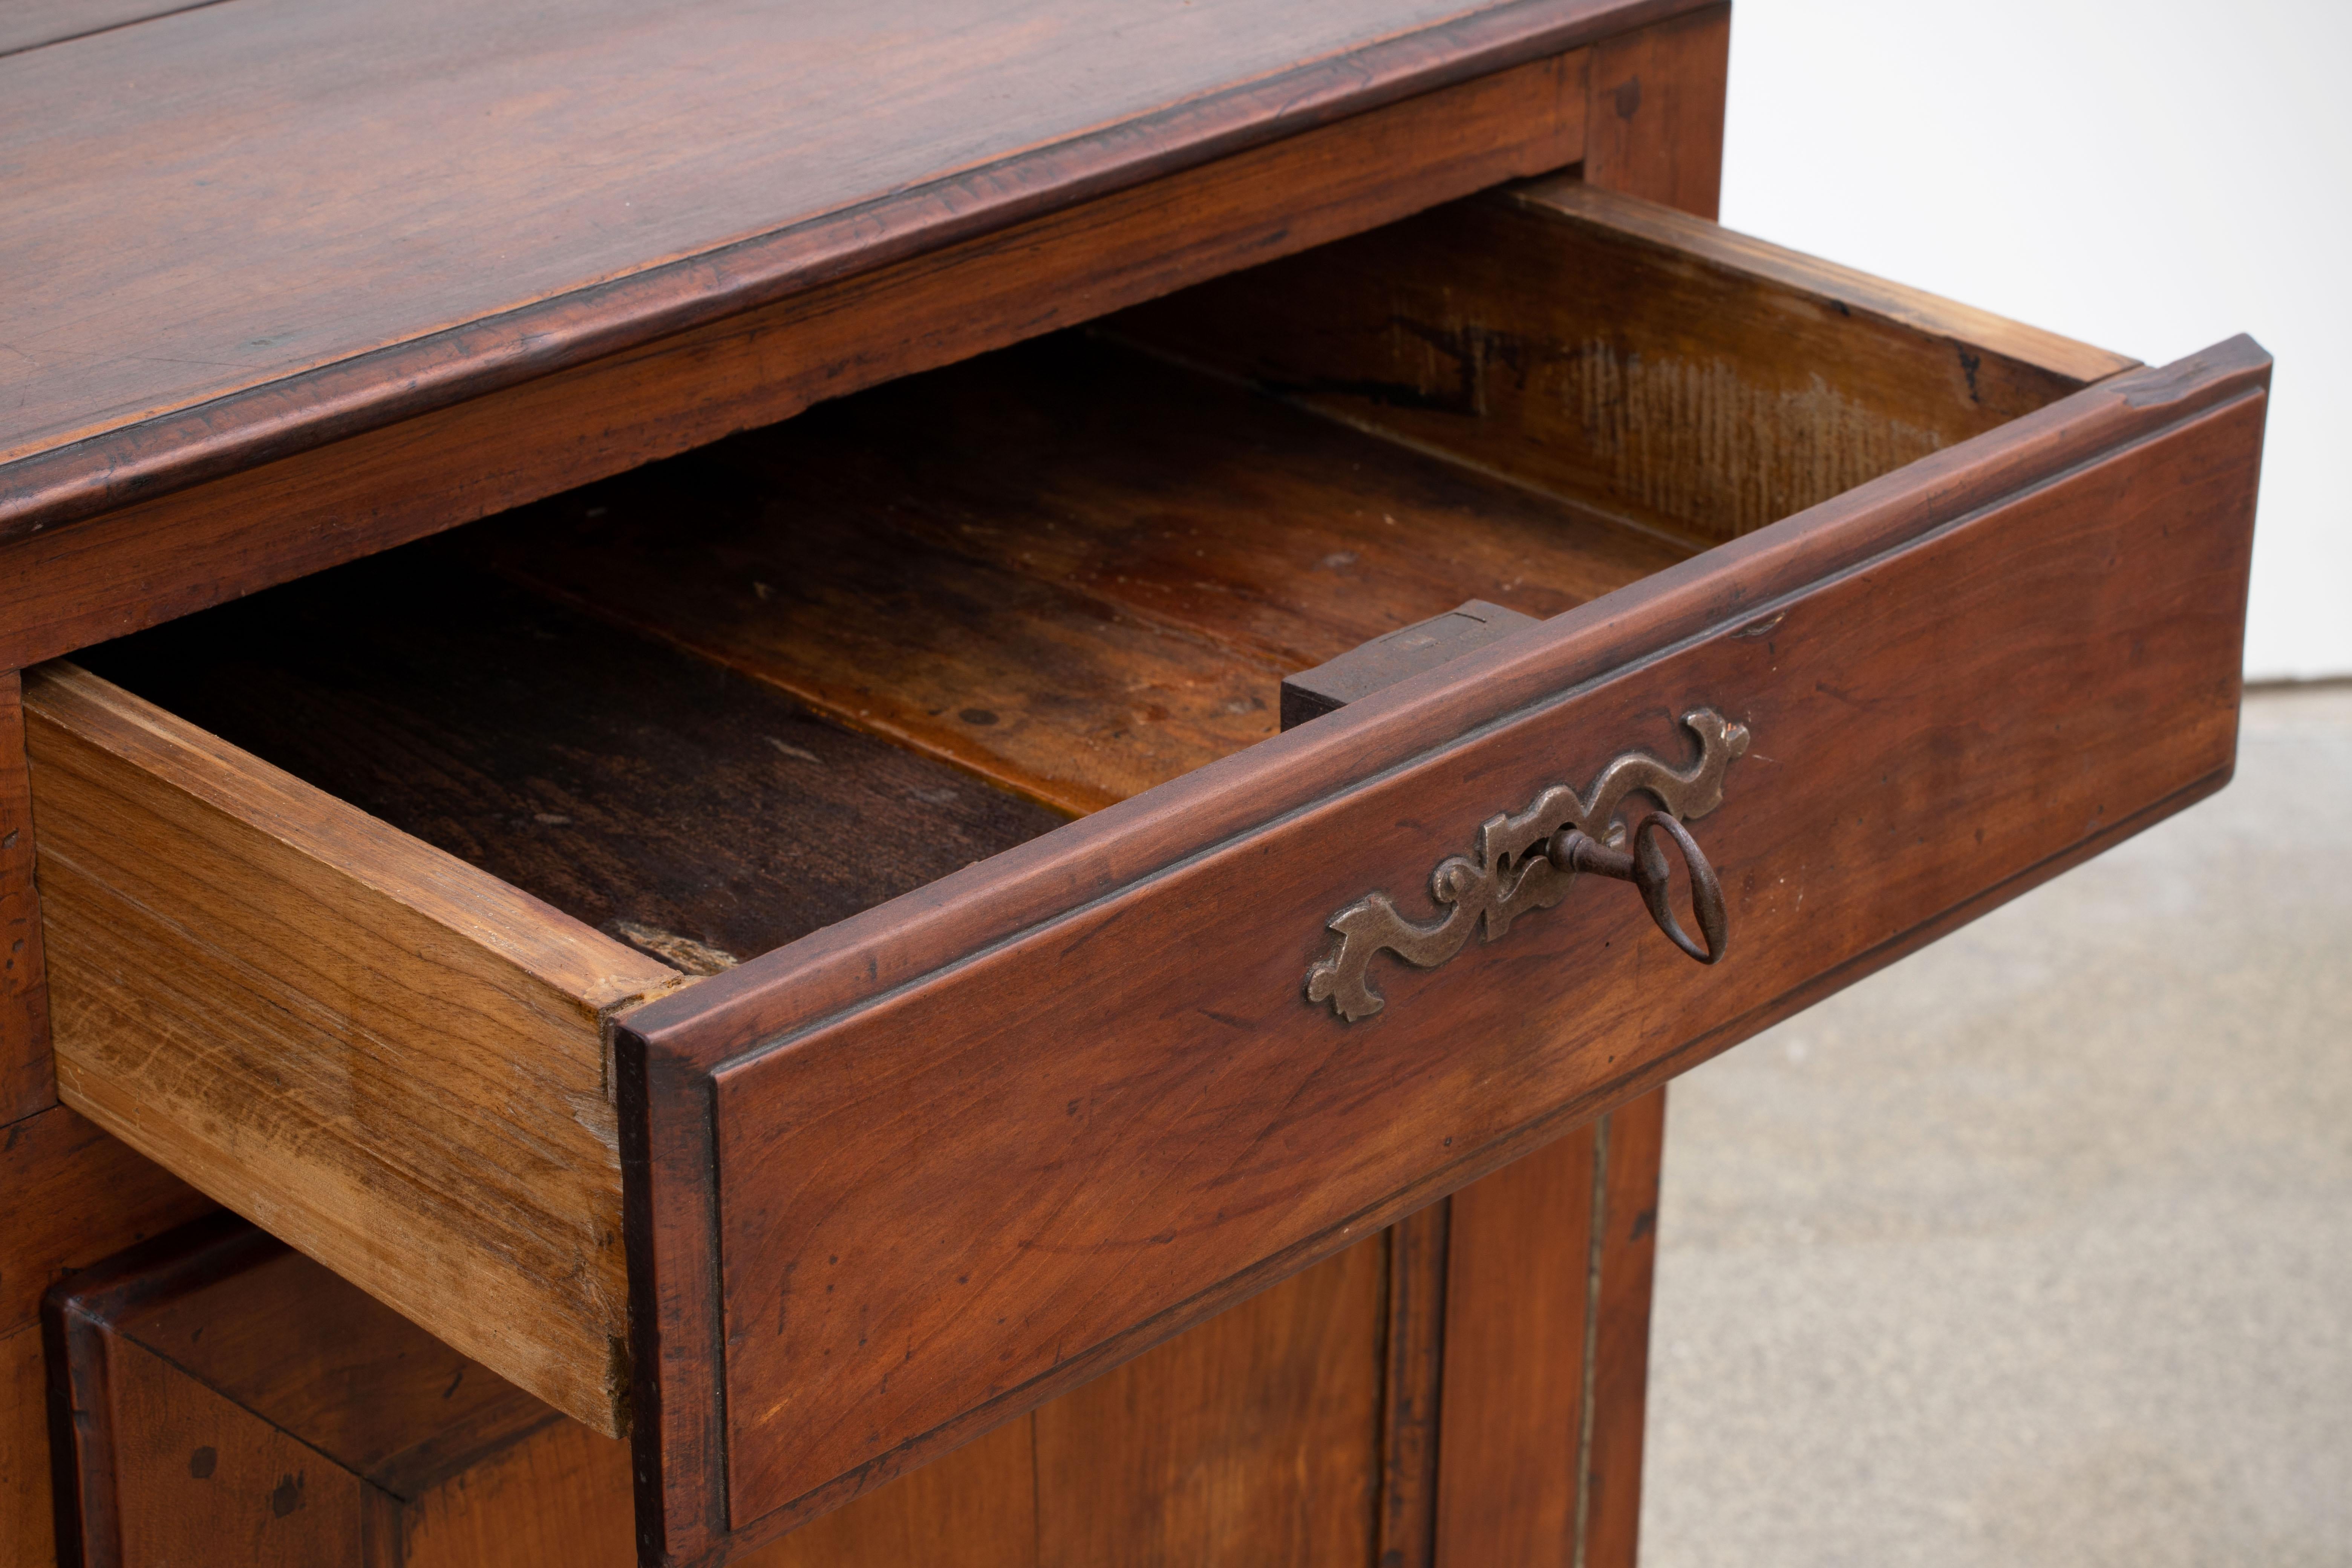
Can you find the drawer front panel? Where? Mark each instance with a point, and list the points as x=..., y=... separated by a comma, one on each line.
x=956, y=1197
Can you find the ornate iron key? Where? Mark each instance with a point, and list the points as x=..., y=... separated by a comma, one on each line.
x=1528, y=860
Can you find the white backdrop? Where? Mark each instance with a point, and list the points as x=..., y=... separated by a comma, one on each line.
x=2147, y=175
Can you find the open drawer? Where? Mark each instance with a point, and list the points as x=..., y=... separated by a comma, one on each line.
x=645, y=940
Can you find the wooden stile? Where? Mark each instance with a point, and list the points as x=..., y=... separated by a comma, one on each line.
x=28, y=1083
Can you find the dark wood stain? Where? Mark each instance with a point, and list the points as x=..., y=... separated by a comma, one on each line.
x=28, y=1083
x=1517, y=1321
x=1253, y=1439
x=1413, y=1376
x=747, y=696
x=639, y=789
x=75, y=1195
x=256, y=510
x=1224, y=920
x=1005, y=553
x=217, y=1394
x=1068, y=567
x=1626, y=1254
x=624, y=179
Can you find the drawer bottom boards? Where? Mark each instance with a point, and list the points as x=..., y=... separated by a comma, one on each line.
x=803, y=950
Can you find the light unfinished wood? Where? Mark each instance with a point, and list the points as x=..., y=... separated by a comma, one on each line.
x=389, y=1058
x=1645, y=362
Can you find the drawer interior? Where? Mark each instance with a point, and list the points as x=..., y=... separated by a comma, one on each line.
x=698, y=710
x=718, y=703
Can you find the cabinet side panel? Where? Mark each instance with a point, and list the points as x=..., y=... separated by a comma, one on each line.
x=72, y=1195
x=1655, y=127
x=558, y=1498
x=75, y=1195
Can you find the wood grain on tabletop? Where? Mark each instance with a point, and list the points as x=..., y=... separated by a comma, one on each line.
x=160, y=557
x=28, y=1083
x=30, y=24
x=620, y=178
x=2126, y=585
x=600, y=150
x=1057, y=566
x=301, y=1010
x=1692, y=380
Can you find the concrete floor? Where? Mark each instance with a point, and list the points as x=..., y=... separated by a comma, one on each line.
x=2037, y=1248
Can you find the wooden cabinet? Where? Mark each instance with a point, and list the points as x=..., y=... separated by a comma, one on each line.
x=797, y=936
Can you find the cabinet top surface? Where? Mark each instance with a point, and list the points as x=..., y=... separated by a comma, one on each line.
x=315, y=201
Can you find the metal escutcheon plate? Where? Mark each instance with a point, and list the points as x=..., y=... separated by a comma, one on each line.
x=1509, y=873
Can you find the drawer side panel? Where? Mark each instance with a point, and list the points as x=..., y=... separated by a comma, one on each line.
x=1602, y=348
x=370, y=1049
